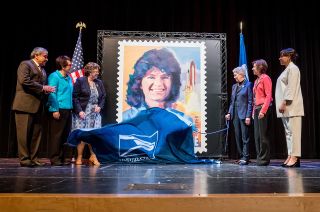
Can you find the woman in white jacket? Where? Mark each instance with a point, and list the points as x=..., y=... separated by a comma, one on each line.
x=289, y=104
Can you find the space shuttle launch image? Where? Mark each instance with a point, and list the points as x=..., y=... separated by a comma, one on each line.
x=193, y=102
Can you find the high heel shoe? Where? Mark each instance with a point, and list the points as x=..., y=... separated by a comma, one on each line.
x=78, y=162
x=296, y=164
x=286, y=161
x=93, y=159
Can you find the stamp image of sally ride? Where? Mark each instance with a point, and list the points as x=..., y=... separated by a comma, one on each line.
x=155, y=83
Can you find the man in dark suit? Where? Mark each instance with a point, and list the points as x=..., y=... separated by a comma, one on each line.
x=27, y=104
x=240, y=112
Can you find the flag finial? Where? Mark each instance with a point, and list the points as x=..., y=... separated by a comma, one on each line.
x=240, y=26
x=81, y=25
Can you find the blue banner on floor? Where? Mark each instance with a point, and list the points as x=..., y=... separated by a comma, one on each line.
x=154, y=136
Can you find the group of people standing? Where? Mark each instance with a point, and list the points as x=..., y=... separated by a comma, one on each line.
x=254, y=102
x=70, y=107
x=77, y=106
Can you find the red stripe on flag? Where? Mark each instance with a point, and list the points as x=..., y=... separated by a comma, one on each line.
x=76, y=74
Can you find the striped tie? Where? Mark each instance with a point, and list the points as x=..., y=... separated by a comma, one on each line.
x=43, y=74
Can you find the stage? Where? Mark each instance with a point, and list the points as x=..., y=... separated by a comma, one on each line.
x=161, y=187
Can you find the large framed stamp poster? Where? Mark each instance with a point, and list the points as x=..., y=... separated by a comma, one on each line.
x=181, y=64
x=184, y=73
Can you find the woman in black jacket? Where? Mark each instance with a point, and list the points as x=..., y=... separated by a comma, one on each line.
x=88, y=100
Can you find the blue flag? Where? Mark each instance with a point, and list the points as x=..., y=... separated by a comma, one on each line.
x=243, y=55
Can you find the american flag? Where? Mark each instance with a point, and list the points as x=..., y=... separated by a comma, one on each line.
x=77, y=61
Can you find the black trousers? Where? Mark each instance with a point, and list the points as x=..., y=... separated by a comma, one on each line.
x=28, y=135
x=262, y=135
x=59, y=131
x=241, y=131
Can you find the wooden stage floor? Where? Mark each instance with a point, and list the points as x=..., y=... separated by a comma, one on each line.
x=160, y=187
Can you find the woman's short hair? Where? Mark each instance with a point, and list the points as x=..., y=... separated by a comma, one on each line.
x=239, y=70
x=261, y=65
x=162, y=59
x=89, y=67
x=62, y=61
x=289, y=52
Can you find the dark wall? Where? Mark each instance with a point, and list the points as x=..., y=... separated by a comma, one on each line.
x=269, y=26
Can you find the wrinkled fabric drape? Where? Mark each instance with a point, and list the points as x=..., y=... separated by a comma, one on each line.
x=154, y=136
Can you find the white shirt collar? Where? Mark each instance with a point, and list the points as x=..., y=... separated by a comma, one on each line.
x=36, y=63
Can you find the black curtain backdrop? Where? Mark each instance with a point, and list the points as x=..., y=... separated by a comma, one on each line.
x=268, y=27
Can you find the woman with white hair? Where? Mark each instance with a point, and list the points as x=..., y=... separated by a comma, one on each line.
x=240, y=111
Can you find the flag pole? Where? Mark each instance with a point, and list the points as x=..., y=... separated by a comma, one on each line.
x=242, y=52
x=77, y=58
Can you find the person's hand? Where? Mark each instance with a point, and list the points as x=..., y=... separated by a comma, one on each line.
x=247, y=121
x=82, y=115
x=282, y=107
x=261, y=115
x=228, y=117
x=48, y=89
x=56, y=115
x=97, y=109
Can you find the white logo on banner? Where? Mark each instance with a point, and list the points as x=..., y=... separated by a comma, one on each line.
x=135, y=142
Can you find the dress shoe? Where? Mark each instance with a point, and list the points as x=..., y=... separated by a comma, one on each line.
x=263, y=163
x=57, y=163
x=296, y=164
x=286, y=161
x=243, y=162
x=66, y=163
x=28, y=164
x=38, y=163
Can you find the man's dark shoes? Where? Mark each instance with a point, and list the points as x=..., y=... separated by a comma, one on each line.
x=38, y=163
x=29, y=164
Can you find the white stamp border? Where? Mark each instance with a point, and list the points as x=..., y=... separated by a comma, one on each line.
x=203, y=96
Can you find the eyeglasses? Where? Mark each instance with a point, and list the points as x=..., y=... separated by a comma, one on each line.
x=68, y=65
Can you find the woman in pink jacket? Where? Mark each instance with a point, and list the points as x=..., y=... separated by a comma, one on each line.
x=262, y=114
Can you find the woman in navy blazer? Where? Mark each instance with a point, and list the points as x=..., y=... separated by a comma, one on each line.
x=81, y=94
x=88, y=100
x=240, y=112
